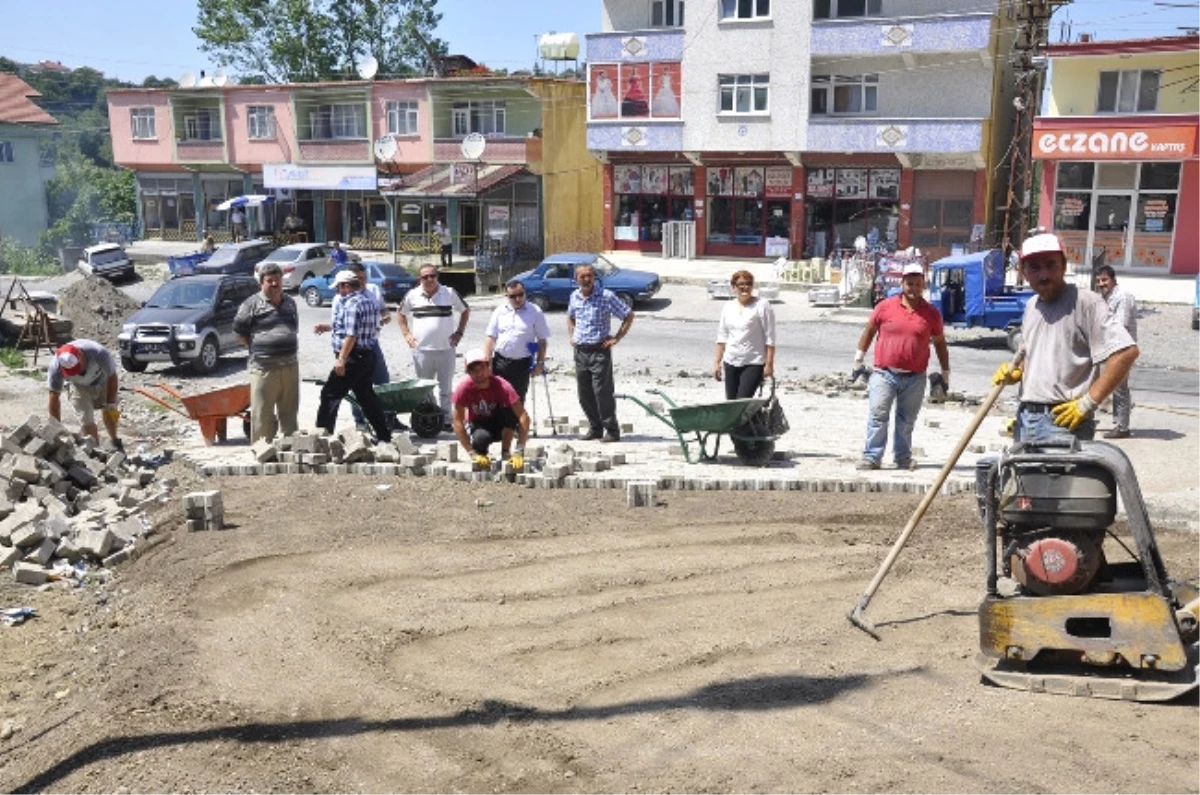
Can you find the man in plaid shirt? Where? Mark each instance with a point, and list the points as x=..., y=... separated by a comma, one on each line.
x=354, y=327
x=589, y=324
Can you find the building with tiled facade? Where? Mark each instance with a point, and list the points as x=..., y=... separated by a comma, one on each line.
x=1118, y=148
x=791, y=128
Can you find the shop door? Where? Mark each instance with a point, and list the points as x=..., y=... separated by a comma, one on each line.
x=1111, y=228
x=333, y=219
x=468, y=227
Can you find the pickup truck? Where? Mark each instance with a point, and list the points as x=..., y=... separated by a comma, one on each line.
x=969, y=291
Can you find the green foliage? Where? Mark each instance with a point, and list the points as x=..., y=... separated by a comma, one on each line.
x=279, y=41
x=22, y=261
x=12, y=359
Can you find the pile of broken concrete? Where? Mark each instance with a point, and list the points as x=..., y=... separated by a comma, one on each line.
x=68, y=502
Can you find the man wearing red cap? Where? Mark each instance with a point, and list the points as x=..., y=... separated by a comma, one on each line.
x=88, y=369
x=1065, y=333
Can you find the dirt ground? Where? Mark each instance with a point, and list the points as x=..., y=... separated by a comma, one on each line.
x=352, y=635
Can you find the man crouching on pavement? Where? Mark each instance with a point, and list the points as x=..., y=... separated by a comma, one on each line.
x=88, y=369
x=486, y=407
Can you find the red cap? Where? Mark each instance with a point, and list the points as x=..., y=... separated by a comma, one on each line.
x=70, y=360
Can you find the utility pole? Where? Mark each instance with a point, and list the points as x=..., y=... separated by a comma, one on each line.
x=1031, y=20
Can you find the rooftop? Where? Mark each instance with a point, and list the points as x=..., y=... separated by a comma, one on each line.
x=17, y=105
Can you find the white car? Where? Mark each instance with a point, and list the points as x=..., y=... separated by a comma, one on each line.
x=105, y=259
x=299, y=261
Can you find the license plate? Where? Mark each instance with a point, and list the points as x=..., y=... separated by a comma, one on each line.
x=150, y=347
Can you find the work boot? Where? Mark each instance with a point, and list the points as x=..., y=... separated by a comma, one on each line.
x=1117, y=433
x=867, y=464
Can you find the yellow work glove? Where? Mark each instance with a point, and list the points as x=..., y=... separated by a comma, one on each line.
x=1006, y=374
x=1073, y=413
x=517, y=460
x=111, y=413
x=482, y=462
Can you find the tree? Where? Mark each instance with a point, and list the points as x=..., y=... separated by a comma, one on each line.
x=280, y=41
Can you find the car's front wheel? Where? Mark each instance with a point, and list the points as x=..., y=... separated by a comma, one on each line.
x=210, y=354
x=312, y=296
x=626, y=298
x=133, y=365
x=540, y=301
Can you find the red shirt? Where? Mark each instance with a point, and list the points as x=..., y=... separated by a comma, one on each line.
x=904, y=334
x=481, y=404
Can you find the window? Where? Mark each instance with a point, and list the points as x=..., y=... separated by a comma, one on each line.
x=834, y=9
x=142, y=121
x=402, y=118
x=745, y=9
x=202, y=125
x=483, y=117
x=338, y=121
x=1128, y=91
x=260, y=121
x=851, y=94
x=666, y=13
x=743, y=93
x=6, y=152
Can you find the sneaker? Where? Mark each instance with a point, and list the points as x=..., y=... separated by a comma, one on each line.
x=1117, y=433
x=591, y=435
x=909, y=465
x=609, y=438
x=867, y=464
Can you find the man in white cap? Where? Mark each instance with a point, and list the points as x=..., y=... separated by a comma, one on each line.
x=1065, y=333
x=88, y=369
x=486, y=408
x=906, y=324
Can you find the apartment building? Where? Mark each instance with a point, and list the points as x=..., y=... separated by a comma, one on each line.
x=24, y=167
x=791, y=128
x=1118, y=148
x=375, y=163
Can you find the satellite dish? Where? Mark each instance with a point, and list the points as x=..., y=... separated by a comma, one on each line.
x=367, y=66
x=187, y=80
x=473, y=146
x=385, y=148
x=219, y=77
x=205, y=81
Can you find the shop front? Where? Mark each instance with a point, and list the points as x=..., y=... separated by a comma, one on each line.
x=167, y=205
x=1123, y=194
x=749, y=212
x=645, y=197
x=331, y=203
x=845, y=203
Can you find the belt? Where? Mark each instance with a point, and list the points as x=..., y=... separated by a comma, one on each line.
x=591, y=348
x=895, y=371
x=511, y=358
x=1037, y=408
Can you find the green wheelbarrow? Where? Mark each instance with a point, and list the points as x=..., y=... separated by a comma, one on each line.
x=743, y=420
x=413, y=396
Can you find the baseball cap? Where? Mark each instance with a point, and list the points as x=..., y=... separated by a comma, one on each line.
x=345, y=277
x=913, y=267
x=474, y=356
x=1041, y=244
x=70, y=360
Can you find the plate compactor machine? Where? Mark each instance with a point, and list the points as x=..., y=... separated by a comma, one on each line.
x=1059, y=615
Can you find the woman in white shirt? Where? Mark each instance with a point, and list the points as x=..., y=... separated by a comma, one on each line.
x=745, y=340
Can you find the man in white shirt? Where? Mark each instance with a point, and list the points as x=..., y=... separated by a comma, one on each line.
x=1122, y=307
x=237, y=219
x=446, y=241
x=517, y=335
x=433, y=334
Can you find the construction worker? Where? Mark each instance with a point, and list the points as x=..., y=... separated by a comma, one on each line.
x=1122, y=306
x=1065, y=333
x=88, y=370
x=486, y=408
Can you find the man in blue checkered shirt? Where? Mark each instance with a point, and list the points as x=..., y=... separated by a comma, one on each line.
x=354, y=327
x=589, y=325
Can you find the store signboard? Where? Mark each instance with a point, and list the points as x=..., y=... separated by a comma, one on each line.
x=852, y=183
x=779, y=182
x=885, y=183
x=820, y=183
x=1053, y=141
x=286, y=175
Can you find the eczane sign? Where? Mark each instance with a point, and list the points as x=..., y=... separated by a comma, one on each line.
x=1113, y=143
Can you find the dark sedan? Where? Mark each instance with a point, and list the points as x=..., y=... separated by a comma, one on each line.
x=553, y=280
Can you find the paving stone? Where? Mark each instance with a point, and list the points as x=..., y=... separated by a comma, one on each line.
x=9, y=555
x=42, y=552
x=641, y=494
x=30, y=573
x=264, y=452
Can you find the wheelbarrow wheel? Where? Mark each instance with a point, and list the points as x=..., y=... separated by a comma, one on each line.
x=246, y=426
x=427, y=419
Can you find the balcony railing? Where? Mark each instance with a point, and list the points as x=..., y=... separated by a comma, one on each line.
x=942, y=136
x=335, y=150
x=900, y=35
x=200, y=151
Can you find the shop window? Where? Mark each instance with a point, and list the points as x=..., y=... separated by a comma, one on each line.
x=844, y=94
x=1076, y=175
x=666, y=13
x=1159, y=176
x=1128, y=91
x=745, y=9
x=334, y=122
x=1117, y=176
x=402, y=118
x=202, y=125
x=743, y=93
x=142, y=122
x=486, y=117
x=260, y=121
x=1156, y=212
x=834, y=9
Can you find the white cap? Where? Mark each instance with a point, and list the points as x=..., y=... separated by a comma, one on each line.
x=1041, y=244
x=345, y=276
x=474, y=356
x=913, y=268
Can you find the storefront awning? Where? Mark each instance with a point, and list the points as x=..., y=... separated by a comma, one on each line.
x=450, y=180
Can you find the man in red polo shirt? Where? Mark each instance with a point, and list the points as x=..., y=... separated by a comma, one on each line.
x=906, y=324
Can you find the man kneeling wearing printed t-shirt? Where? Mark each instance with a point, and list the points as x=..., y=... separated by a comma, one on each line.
x=486, y=408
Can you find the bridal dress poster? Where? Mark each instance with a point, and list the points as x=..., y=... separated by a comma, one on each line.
x=604, y=92
x=634, y=85
x=665, y=104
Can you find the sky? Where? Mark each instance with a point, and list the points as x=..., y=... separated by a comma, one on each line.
x=132, y=39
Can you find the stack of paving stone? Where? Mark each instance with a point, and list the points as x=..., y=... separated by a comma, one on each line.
x=66, y=501
x=348, y=452
x=204, y=510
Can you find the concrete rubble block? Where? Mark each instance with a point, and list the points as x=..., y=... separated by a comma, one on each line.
x=448, y=452
x=6, y=507
x=25, y=467
x=95, y=543
x=617, y=459
x=10, y=446
x=195, y=525
x=26, y=513
x=81, y=476
x=119, y=557
x=127, y=529
x=641, y=494
x=38, y=492
x=42, y=552
x=22, y=432
x=263, y=451
x=413, y=461
x=53, y=472
x=30, y=573
x=594, y=464
x=38, y=447
x=303, y=443
x=115, y=461
x=64, y=455
x=55, y=525
x=386, y=453
x=337, y=451
x=404, y=444
x=9, y=555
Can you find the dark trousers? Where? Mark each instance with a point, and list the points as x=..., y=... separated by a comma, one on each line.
x=485, y=433
x=514, y=371
x=357, y=379
x=447, y=255
x=742, y=382
x=594, y=380
x=379, y=375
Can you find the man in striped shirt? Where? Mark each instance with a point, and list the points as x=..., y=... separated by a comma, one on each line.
x=268, y=324
x=354, y=327
x=434, y=334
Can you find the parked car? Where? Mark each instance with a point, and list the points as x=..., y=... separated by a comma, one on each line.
x=105, y=259
x=188, y=319
x=553, y=280
x=393, y=281
x=300, y=261
x=236, y=257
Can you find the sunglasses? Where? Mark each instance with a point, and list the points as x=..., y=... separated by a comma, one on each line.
x=428, y=277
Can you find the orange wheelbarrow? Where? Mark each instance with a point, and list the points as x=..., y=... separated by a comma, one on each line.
x=210, y=409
